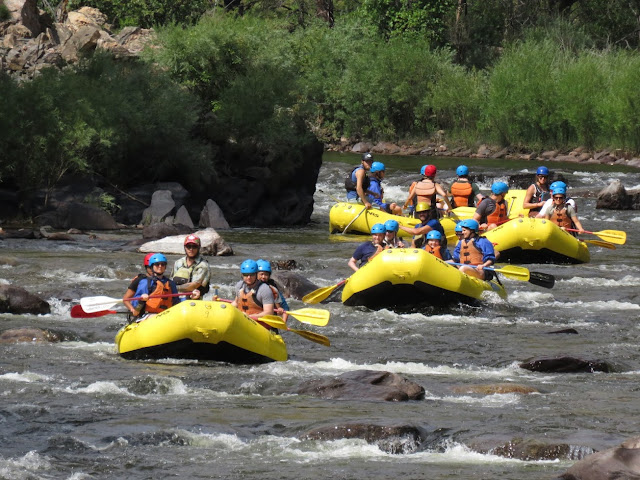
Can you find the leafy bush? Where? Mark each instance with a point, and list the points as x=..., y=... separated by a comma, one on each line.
x=5, y=14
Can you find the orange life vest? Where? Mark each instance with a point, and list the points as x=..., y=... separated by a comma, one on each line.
x=425, y=192
x=461, y=192
x=157, y=305
x=561, y=218
x=250, y=304
x=499, y=215
x=434, y=250
x=469, y=253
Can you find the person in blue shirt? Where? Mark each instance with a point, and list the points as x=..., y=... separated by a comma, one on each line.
x=474, y=251
x=428, y=221
x=367, y=250
x=376, y=192
x=357, y=182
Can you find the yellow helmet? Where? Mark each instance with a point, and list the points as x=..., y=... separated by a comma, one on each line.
x=422, y=206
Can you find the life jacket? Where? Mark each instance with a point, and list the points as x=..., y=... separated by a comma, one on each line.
x=538, y=196
x=350, y=182
x=461, y=192
x=499, y=215
x=561, y=218
x=469, y=253
x=425, y=192
x=185, y=275
x=434, y=250
x=158, y=286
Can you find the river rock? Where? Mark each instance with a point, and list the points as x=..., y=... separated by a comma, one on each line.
x=162, y=206
x=211, y=244
x=161, y=230
x=82, y=216
x=17, y=300
x=292, y=284
x=396, y=439
x=25, y=12
x=620, y=463
x=613, y=197
x=364, y=385
x=213, y=217
x=29, y=335
x=567, y=365
x=531, y=450
x=24, y=233
x=496, y=388
x=183, y=218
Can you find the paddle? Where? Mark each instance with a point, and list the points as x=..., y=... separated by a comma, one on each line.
x=351, y=222
x=277, y=322
x=520, y=273
x=600, y=243
x=321, y=293
x=78, y=312
x=312, y=316
x=96, y=304
x=618, y=237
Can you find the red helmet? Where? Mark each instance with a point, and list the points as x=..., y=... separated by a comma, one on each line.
x=192, y=239
x=146, y=259
x=430, y=171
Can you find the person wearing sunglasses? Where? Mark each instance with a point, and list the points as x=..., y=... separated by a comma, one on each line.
x=561, y=212
x=191, y=272
x=253, y=297
x=155, y=291
x=537, y=193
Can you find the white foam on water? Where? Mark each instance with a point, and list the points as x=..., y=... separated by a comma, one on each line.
x=27, y=377
x=599, y=305
x=530, y=298
x=100, y=347
x=491, y=401
x=78, y=277
x=102, y=388
x=626, y=281
x=23, y=467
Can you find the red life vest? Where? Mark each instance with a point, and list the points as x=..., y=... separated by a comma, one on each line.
x=434, y=250
x=461, y=192
x=561, y=218
x=499, y=215
x=157, y=305
x=469, y=253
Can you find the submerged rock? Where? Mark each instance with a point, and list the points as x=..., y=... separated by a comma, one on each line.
x=29, y=335
x=497, y=388
x=620, y=463
x=293, y=285
x=567, y=365
x=532, y=450
x=18, y=300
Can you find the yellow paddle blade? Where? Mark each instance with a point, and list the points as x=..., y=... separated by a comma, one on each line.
x=600, y=243
x=321, y=294
x=618, y=237
x=276, y=322
x=313, y=316
x=272, y=320
x=512, y=271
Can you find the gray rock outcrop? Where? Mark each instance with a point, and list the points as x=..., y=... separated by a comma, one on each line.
x=17, y=300
x=213, y=217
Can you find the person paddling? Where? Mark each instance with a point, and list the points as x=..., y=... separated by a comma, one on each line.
x=427, y=190
x=537, y=193
x=253, y=297
x=133, y=286
x=561, y=212
x=492, y=210
x=474, y=251
x=367, y=250
x=428, y=221
x=264, y=275
x=464, y=192
x=357, y=182
x=376, y=192
x=156, y=286
x=192, y=271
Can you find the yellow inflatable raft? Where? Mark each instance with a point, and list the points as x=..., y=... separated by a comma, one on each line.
x=346, y=214
x=201, y=330
x=536, y=240
x=405, y=277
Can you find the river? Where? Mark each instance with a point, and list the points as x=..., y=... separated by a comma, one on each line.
x=75, y=410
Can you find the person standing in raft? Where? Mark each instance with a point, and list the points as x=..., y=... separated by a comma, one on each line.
x=191, y=272
x=464, y=192
x=434, y=246
x=492, y=210
x=253, y=297
x=367, y=250
x=537, y=193
x=561, y=212
x=264, y=275
x=357, y=183
x=427, y=190
x=474, y=251
x=428, y=221
x=376, y=192
x=157, y=285
x=133, y=286
x=391, y=239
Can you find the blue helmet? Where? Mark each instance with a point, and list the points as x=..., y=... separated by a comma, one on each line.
x=459, y=227
x=542, y=171
x=499, y=188
x=378, y=228
x=559, y=190
x=422, y=169
x=462, y=171
x=557, y=183
x=434, y=235
x=263, y=266
x=157, y=258
x=377, y=167
x=249, y=266
x=470, y=223
x=391, y=226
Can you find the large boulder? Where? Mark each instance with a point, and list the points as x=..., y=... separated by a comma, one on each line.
x=211, y=244
x=292, y=284
x=213, y=217
x=29, y=335
x=567, y=365
x=161, y=230
x=613, y=197
x=18, y=301
x=162, y=206
x=82, y=216
x=364, y=385
x=25, y=12
x=620, y=463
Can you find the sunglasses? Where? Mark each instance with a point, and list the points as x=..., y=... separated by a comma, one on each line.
x=558, y=197
x=191, y=247
x=249, y=274
x=160, y=264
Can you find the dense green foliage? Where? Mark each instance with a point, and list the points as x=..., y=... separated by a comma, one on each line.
x=4, y=12
x=123, y=121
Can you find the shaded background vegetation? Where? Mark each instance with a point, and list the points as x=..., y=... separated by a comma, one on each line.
x=269, y=74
